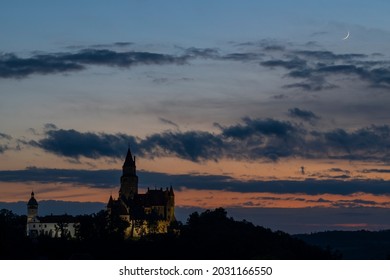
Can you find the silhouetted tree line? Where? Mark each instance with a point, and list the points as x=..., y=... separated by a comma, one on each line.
x=206, y=235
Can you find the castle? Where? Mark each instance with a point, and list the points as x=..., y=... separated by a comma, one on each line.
x=151, y=212
x=52, y=226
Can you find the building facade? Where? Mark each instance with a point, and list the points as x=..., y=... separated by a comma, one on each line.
x=52, y=226
x=150, y=212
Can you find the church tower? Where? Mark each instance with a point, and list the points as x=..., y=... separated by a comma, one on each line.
x=129, y=178
x=32, y=208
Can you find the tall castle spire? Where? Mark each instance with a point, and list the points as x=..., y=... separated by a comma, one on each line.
x=129, y=178
x=129, y=167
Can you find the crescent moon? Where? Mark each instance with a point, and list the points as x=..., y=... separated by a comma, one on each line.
x=346, y=37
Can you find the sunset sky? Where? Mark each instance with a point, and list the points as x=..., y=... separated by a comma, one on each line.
x=259, y=107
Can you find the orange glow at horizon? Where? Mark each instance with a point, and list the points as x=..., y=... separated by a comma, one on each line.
x=13, y=192
x=284, y=169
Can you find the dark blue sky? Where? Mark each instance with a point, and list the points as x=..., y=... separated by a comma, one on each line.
x=236, y=104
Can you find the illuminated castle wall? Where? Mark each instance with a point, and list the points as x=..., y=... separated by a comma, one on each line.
x=151, y=212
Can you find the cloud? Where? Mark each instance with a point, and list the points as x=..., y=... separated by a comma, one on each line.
x=49, y=126
x=311, y=84
x=336, y=170
x=3, y=148
x=312, y=68
x=365, y=143
x=191, y=145
x=6, y=139
x=243, y=56
x=119, y=59
x=101, y=46
x=320, y=200
x=5, y=136
x=253, y=127
x=375, y=170
x=303, y=114
x=295, y=63
x=71, y=143
x=354, y=203
x=339, y=170
x=109, y=179
x=123, y=44
x=315, y=67
x=12, y=66
x=92, y=178
x=166, y=121
x=251, y=139
x=266, y=45
x=213, y=53
x=202, y=52
x=328, y=55
x=115, y=44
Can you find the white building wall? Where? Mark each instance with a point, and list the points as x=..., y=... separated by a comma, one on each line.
x=35, y=228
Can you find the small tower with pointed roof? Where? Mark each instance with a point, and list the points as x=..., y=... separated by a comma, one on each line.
x=32, y=208
x=32, y=217
x=129, y=178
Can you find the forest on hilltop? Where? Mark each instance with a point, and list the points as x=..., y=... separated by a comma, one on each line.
x=207, y=235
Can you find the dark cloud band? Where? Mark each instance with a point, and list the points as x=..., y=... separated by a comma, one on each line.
x=12, y=66
x=252, y=139
x=109, y=179
x=312, y=67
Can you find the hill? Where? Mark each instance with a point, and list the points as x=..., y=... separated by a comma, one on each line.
x=353, y=245
x=208, y=235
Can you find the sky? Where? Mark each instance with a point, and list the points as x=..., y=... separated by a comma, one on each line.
x=260, y=107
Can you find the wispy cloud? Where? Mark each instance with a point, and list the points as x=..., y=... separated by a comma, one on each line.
x=305, y=115
x=5, y=136
x=168, y=122
x=96, y=178
x=12, y=66
x=375, y=170
x=4, y=142
x=315, y=67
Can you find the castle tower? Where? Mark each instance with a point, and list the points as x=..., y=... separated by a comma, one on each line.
x=129, y=178
x=171, y=205
x=32, y=208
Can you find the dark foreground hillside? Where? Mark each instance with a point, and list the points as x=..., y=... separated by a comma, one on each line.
x=353, y=245
x=209, y=235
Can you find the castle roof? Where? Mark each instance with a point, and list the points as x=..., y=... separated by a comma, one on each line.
x=32, y=201
x=129, y=161
x=117, y=206
x=157, y=197
x=110, y=202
